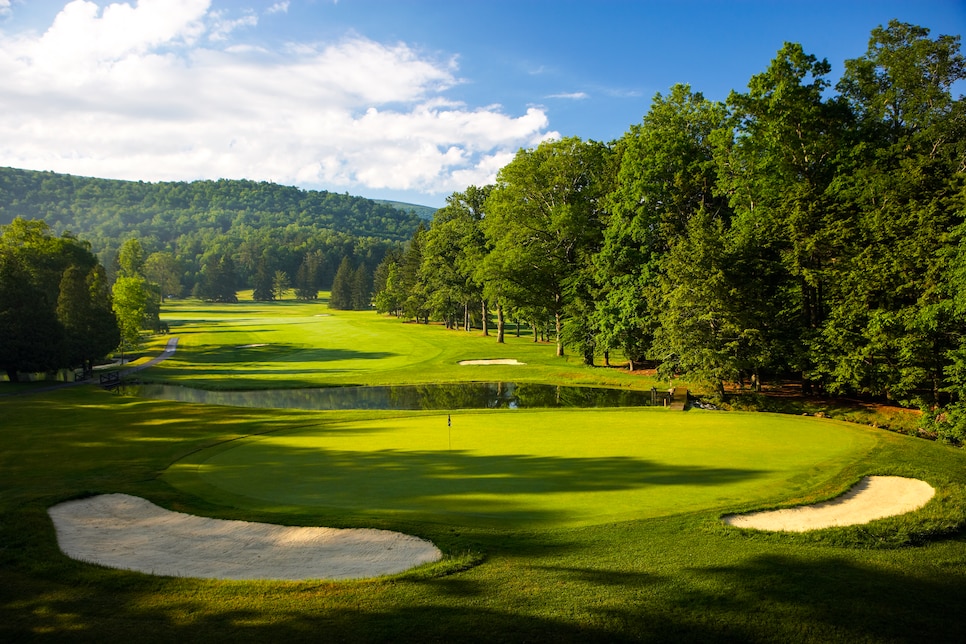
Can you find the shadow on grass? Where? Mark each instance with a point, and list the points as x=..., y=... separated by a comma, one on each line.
x=769, y=598
x=834, y=596
x=274, y=353
x=444, y=485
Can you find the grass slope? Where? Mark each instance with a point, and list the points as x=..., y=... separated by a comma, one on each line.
x=670, y=574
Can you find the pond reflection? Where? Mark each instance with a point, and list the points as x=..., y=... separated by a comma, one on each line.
x=475, y=395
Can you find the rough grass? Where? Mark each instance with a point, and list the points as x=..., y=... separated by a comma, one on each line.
x=675, y=575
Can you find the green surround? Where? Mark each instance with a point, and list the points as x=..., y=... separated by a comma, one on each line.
x=528, y=469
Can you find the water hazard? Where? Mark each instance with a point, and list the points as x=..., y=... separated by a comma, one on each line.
x=476, y=395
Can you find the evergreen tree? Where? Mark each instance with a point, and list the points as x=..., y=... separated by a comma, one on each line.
x=307, y=276
x=341, y=295
x=280, y=284
x=219, y=280
x=361, y=288
x=263, y=290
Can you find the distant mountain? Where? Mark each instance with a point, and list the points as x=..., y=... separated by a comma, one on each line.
x=424, y=212
x=258, y=224
x=94, y=208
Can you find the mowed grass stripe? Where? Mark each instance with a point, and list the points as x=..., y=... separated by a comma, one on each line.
x=257, y=349
x=526, y=469
x=259, y=345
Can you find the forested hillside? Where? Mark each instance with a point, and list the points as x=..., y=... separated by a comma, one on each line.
x=260, y=226
x=798, y=229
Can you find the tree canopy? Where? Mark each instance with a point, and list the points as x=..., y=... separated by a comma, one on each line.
x=55, y=304
x=798, y=229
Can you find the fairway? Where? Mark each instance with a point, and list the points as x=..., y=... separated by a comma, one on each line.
x=528, y=469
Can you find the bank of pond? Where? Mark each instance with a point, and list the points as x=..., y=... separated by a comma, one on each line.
x=475, y=395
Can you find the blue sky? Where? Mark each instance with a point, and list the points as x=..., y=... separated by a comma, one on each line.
x=407, y=100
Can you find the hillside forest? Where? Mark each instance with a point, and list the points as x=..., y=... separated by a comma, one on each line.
x=195, y=230
x=798, y=229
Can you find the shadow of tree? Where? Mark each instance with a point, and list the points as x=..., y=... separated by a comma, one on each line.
x=273, y=353
x=835, y=596
x=455, y=484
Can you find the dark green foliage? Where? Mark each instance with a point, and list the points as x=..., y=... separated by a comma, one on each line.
x=666, y=175
x=55, y=304
x=454, y=248
x=790, y=231
x=198, y=220
x=219, y=281
x=308, y=276
x=262, y=290
x=543, y=226
x=84, y=311
x=32, y=338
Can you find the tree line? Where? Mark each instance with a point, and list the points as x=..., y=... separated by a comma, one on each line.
x=56, y=303
x=213, y=238
x=797, y=228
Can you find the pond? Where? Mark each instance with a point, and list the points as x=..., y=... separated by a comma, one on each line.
x=475, y=395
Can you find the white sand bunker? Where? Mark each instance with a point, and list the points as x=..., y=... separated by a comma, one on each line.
x=509, y=361
x=251, y=346
x=128, y=532
x=874, y=497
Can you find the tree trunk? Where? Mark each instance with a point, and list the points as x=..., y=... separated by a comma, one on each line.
x=534, y=324
x=606, y=358
x=500, y=323
x=12, y=375
x=486, y=328
x=558, y=328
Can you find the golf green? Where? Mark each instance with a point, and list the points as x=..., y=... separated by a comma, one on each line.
x=528, y=468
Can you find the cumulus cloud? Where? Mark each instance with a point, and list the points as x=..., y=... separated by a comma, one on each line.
x=278, y=7
x=164, y=90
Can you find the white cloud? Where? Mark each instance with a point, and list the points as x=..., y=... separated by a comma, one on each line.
x=152, y=91
x=278, y=7
x=4, y=8
x=222, y=25
x=575, y=96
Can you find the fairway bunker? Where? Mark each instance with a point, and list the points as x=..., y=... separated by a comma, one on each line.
x=492, y=361
x=874, y=497
x=131, y=533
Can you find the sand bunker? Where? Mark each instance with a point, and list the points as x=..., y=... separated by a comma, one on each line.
x=251, y=346
x=128, y=532
x=509, y=361
x=874, y=497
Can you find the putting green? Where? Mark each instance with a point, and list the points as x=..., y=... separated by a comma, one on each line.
x=528, y=468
